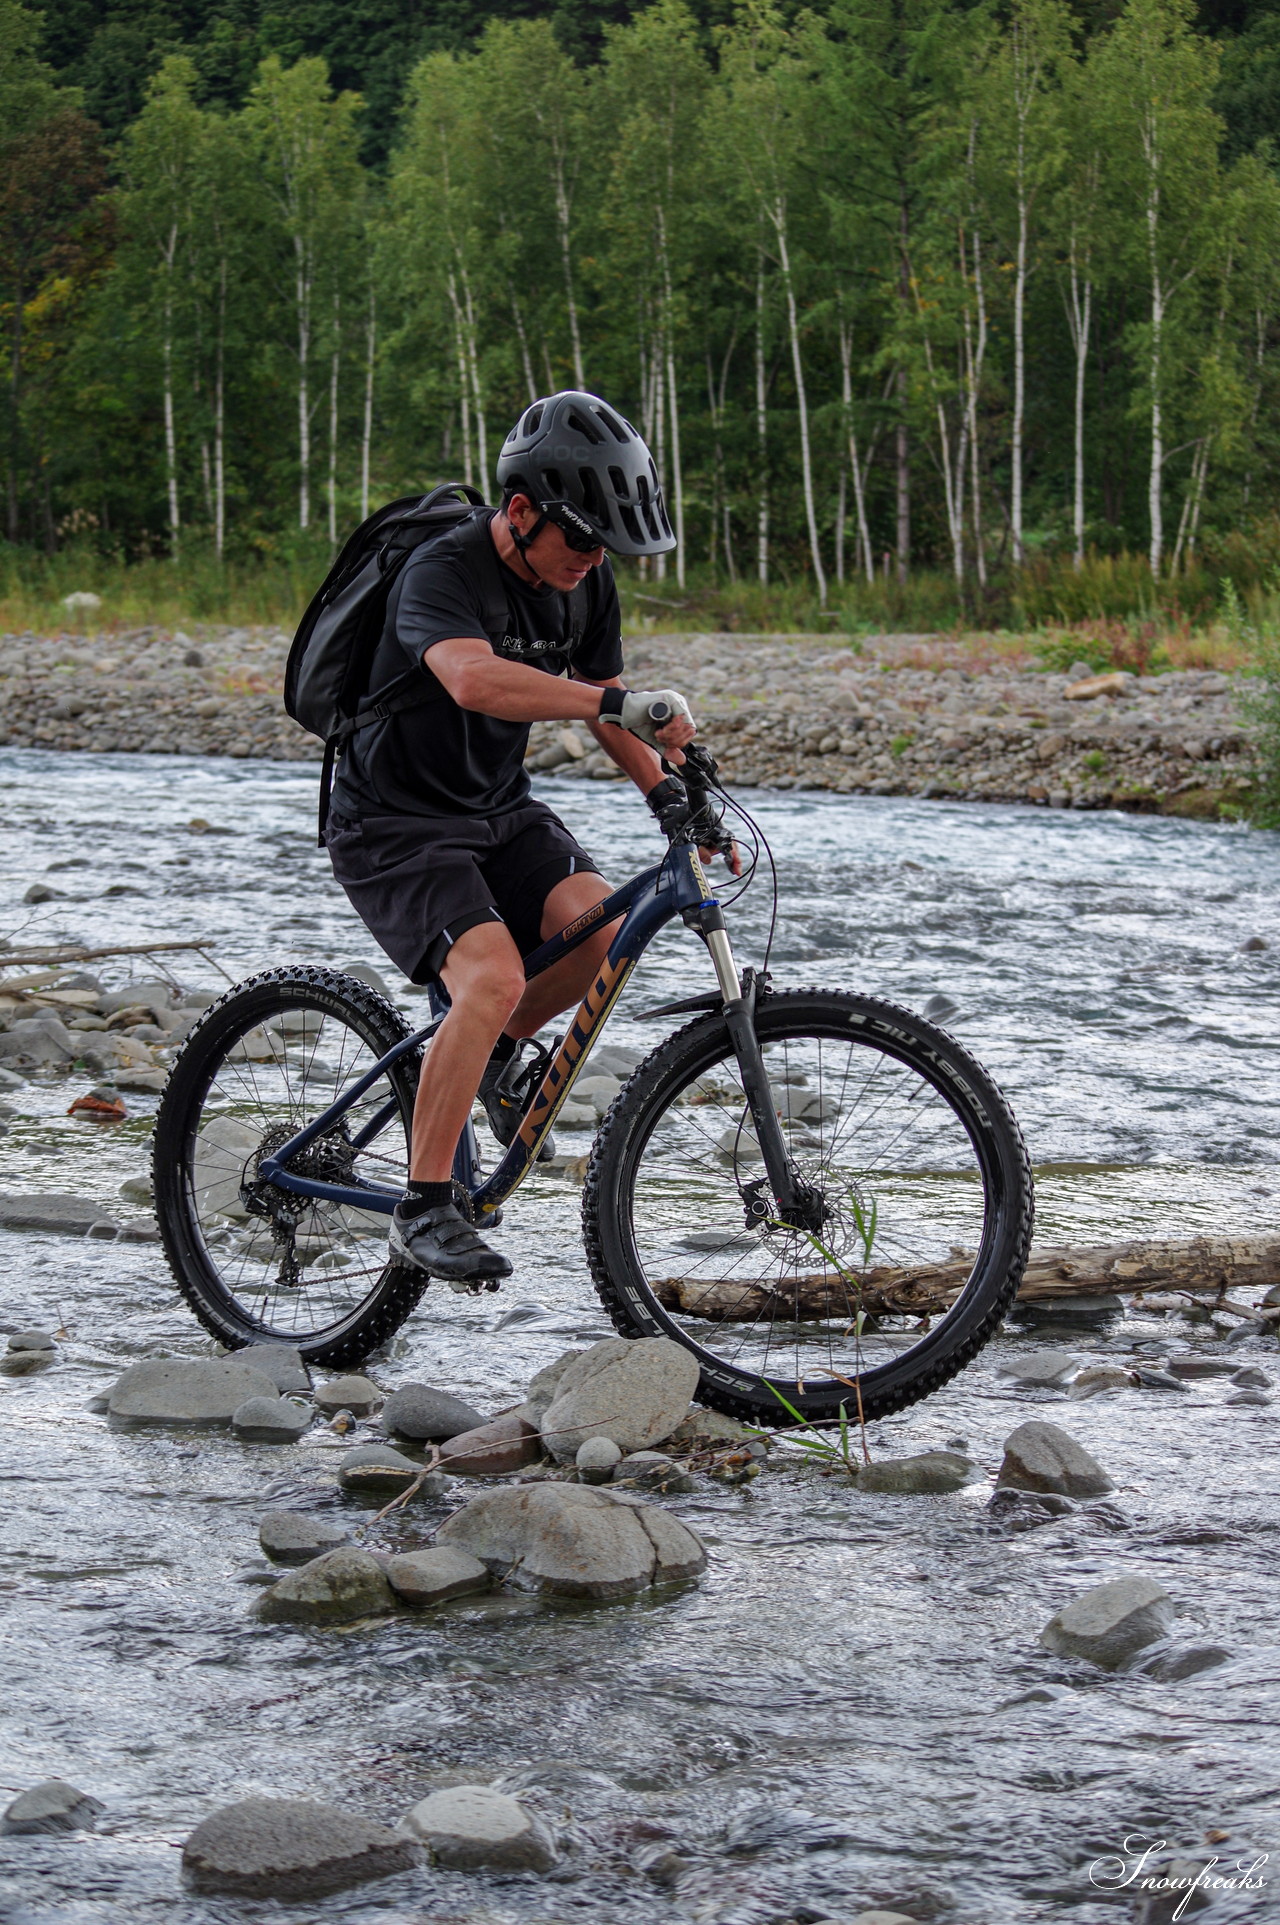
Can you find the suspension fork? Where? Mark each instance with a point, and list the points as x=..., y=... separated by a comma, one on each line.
x=740, y=1019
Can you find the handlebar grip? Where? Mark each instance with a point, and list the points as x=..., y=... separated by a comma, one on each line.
x=660, y=712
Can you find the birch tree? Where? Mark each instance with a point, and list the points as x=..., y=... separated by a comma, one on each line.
x=307, y=146
x=163, y=163
x=1156, y=77
x=765, y=125
x=1022, y=132
x=655, y=83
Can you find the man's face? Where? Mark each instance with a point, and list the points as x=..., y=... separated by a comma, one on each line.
x=549, y=554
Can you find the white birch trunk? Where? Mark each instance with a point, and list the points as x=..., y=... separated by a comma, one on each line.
x=334, y=360
x=778, y=215
x=366, y=428
x=473, y=370
x=1155, y=488
x=1019, y=357
x=464, y=380
x=531, y=386
x=564, y=212
x=219, y=416
x=1079, y=315
x=170, y=431
x=855, y=460
x=673, y=401
x=975, y=360
x=660, y=435
x=302, y=295
x=762, y=431
x=841, y=491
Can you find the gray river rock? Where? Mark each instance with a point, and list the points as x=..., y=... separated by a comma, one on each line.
x=270, y=1420
x=633, y=1393
x=52, y=1806
x=165, y=1390
x=290, y=1537
x=290, y=1848
x=1094, y=964
x=427, y=1415
x=467, y=1827
x=333, y=1588
x=574, y=1542
x=1111, y=1623
x=1041, y=1457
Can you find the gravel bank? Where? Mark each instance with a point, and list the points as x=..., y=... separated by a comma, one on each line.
x=906, y=715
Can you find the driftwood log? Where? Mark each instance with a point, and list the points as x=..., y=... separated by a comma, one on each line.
x=1206, y=1268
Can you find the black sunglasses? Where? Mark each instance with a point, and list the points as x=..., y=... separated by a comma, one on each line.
x=572, y=524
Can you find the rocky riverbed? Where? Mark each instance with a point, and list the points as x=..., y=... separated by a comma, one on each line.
x=888, y=1691
x=892, y=715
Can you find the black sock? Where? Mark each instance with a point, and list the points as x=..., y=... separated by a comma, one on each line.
x=419, y=1197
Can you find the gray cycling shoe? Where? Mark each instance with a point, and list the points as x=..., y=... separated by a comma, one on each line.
x=445, y=1245
x=507, y=1089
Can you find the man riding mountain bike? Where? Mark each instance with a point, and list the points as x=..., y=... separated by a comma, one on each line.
x=458, y=871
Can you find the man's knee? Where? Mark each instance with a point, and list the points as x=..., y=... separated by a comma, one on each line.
x=483, y=973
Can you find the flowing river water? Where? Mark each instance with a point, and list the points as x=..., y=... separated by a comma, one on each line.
x=852, y=1707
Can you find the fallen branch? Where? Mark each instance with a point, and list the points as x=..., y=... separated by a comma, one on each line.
x=79, y=954
x=1204, y=1267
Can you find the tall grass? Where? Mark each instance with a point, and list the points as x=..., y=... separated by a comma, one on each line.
x=1109, y=614
x=1256, y=632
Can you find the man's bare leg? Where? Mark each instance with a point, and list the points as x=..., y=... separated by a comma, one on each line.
x=484, y=976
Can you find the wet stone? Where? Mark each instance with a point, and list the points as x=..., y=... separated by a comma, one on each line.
x=1249, y=1397
x=32, y=1340
x=284, y=1365
x=597, y=1460
x=1041, y=1457
x=650, y=1470
x=359, y=1395
x=634, y=1392
x=1250, y=1378
x=57, y=1212
x=1171, y=1660
x=578, y=1542
x=1111, y=1623
x=1040, y=1369
x=290, y=1537
x=291, y=1848
x=52, y=1806
x=470, y=1827
x=24, y=1363
x=1096, y=1379
x=433, y=1575
x=1199, y=1364
x=376, y=1467
x=270, y=1420
x=333, y=1588
x=1152, y=1379
x=165, y=1390
x=1016, y=1510
x=429, y=1416
x=926, y=1473
x=494, y=1450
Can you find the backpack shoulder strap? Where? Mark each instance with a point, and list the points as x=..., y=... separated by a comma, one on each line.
x=476, y=543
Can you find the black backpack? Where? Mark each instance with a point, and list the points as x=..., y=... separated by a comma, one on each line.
x=326, y=678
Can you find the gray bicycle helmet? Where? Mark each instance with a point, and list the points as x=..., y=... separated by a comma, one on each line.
x=575, y=453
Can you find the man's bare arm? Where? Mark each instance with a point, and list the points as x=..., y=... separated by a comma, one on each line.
x=481, y=681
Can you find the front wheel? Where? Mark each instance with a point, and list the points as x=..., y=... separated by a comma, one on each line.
x=260, y=1264
x=910, y=1242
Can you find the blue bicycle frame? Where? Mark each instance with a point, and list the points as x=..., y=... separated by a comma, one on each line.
x=675, y=887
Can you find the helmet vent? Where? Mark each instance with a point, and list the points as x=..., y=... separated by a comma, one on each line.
x=581, y=425
x=614, y=426
x=620, y=488
x=531, y=420
x=553, y=481
x=593, y=497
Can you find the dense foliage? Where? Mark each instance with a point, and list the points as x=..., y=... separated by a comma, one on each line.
x=891, y=285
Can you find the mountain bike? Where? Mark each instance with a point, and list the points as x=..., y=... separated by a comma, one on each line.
x=821, y=1195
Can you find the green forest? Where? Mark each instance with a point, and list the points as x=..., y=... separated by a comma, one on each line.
x=898, y=290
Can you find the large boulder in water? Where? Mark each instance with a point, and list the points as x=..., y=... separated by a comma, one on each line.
x=167, y=1390
x=634, y=1392
x=291, y=1848
x=574, y=1541
x=331, y=1589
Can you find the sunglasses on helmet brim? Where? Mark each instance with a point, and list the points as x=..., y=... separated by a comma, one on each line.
x=568, y=519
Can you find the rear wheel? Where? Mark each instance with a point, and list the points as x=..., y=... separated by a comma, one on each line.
x=257, y=1263
x=911, y=1243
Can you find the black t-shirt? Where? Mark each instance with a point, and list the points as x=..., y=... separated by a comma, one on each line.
x=437, y=758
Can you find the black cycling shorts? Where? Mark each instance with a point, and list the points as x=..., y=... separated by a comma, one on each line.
x=419, y=882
